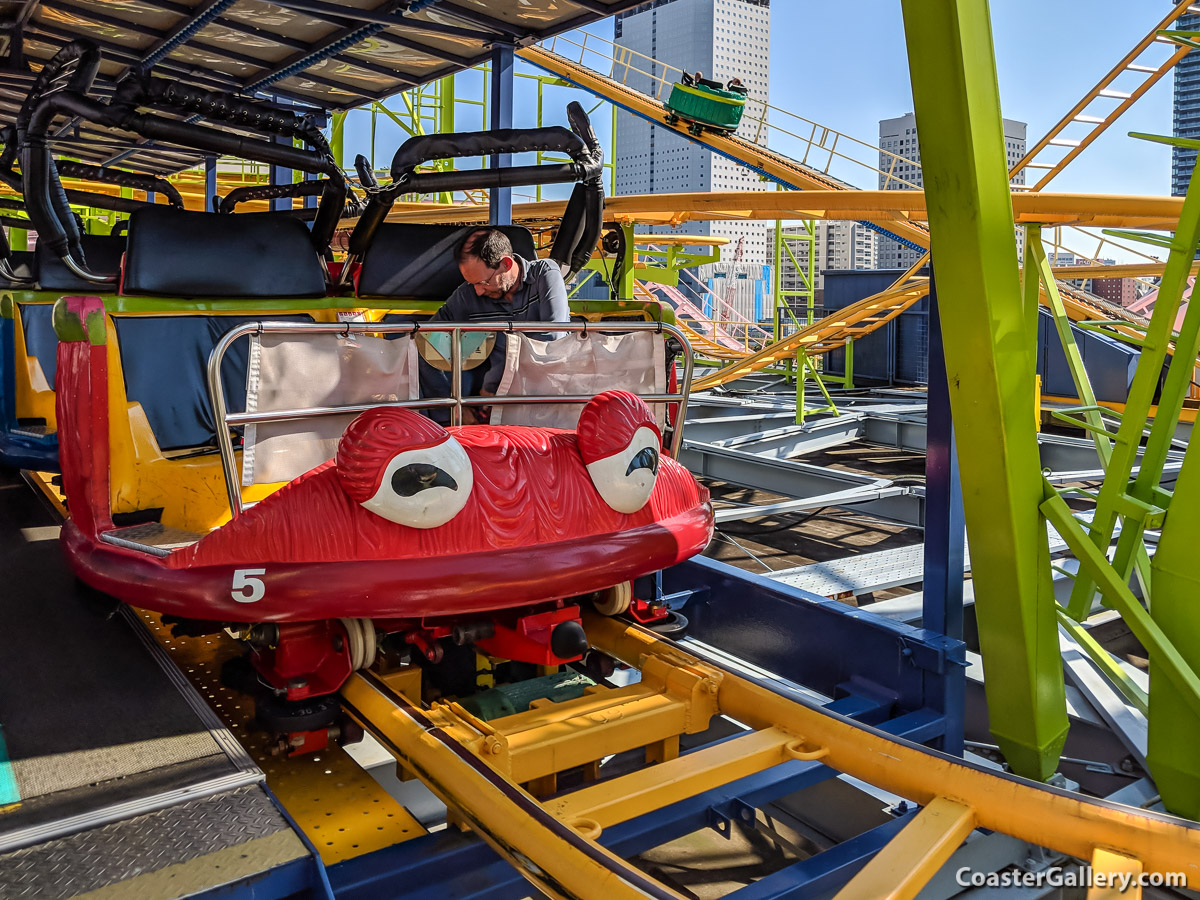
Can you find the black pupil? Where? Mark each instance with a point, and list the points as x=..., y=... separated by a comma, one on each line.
x=417, y=477
x=647, y=458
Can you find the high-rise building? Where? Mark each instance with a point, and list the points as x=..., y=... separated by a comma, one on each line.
x=837, y=245
x=723, y=39
x=1186, y=117
x=898, y=138
x=1121, y=291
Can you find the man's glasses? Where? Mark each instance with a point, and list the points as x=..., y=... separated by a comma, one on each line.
x=487, y=282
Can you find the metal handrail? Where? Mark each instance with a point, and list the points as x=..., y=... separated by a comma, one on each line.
x=455, y=402
x=759, y=115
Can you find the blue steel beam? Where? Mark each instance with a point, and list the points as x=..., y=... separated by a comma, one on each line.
x=879, y=656
x=210, y=181
x=503, y=71
x=945, y=528
x=822, y=874
x=341, y=15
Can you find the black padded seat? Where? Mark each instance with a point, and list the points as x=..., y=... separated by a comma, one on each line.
x=23, y=266
x=175, y=253
x=416, y=262
x=102, y=253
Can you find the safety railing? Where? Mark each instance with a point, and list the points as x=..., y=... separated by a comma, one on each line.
x=724, y=312
x=455, y=402
x=1138, y=71
x=711, y=335
x=820, y=147
x=1053, y=239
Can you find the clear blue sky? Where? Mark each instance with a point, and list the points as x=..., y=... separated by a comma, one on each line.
x=845, y=66
x=854, y=72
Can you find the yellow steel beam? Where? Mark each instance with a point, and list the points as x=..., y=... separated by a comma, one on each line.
x=823, y=335
x=911, y=858
x=1075, y=115
x=551, y=739
x=555, y=858
x=1120, y=270
x=1090, y=210
x=654, y=787
x=1185, y=415
x=1114, y=877
x=1045, y=816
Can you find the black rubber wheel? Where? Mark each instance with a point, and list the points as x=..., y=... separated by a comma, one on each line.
x=284, y=716
x=673, y=626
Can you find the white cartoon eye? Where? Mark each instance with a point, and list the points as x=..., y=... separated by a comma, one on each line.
x=424, y=488
x=626, y=478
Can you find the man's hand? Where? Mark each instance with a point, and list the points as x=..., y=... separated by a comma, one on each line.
x=478, y=415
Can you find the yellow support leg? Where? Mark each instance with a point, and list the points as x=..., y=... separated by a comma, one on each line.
x=911, y=858
x=1115, y=877
x=646, y=790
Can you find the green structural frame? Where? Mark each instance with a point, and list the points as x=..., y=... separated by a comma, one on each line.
x=660, y=266
x=786, y=301
x=988, y=338
x=433, y=108
x=989, y=321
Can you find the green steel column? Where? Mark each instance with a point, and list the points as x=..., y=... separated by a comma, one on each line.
x=337, y=138
x=777, y=294
x=1037, y=261
x=990, y=368
x=628, y=266
x=1174, y=731
x=809, y=272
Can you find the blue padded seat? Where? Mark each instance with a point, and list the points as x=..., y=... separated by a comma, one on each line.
x=165, y=363
x=37, y=324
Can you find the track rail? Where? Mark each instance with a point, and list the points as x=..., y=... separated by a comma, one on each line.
x=556, y=843
x=778, y=168
x=830, y=333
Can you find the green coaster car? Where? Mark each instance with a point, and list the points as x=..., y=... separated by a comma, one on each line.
x=706, y=104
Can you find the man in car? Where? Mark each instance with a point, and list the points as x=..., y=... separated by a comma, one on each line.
x=498, y=287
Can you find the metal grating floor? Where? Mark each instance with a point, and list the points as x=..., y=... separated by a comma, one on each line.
x=177, y=838
x=153, y=537
x=854, y=576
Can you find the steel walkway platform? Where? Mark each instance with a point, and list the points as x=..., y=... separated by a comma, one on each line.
x=117, y=777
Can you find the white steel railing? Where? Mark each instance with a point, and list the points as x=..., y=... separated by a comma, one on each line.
x=227, y=420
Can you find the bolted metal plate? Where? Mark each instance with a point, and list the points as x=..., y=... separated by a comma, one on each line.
x=115, y=853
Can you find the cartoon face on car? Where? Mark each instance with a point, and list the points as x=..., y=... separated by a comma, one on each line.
x=402, y=486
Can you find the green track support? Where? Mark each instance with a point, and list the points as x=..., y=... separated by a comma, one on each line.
x=806, y=366
x=782, y=307
x=1174, y=716
x=1035, y=258
x=990, y=367
x=1117, y=484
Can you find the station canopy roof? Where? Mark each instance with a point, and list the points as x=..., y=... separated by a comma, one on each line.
x=314, y=54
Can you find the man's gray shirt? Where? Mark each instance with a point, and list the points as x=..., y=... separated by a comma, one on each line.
x=541, y=296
